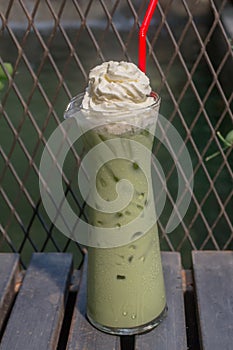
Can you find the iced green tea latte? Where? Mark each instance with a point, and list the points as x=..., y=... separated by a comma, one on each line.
x=125, y=288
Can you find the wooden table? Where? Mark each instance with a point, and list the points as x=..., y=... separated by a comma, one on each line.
x=44, y=307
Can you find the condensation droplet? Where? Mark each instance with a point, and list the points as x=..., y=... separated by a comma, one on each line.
x=141, y=196
x=133, y=316
x=130, y=258
x=136, y=235
x=103, y=182
x=124, y=313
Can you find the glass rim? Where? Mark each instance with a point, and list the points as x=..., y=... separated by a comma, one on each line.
x=75, y=105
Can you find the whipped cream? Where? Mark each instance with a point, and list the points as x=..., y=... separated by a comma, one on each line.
x=117, y=86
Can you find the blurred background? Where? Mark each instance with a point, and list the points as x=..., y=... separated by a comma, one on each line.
x=51, y=46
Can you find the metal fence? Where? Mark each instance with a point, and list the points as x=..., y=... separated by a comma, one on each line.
x=53, y=44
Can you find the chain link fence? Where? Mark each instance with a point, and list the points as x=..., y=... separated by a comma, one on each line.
x=52, y=45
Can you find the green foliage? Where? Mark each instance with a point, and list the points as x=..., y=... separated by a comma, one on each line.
x=3, y=73
x=227, y=142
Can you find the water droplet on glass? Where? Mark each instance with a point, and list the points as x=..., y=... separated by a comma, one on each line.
x=141, y=196
x=130, y=258
x=103, y=182
x=136, y=235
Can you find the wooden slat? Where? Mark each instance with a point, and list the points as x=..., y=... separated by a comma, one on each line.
x=36, y=318
x=213, y=275
x=170, y=334
x=9, y=268
x=83, y=336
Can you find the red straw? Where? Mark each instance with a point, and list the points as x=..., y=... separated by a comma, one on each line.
x=142, y=35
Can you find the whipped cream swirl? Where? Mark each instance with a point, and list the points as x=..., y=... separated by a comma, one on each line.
x=117, y=86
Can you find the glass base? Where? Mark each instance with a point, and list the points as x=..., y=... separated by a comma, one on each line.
x=131, y=331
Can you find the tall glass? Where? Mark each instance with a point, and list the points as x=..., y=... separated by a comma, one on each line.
x=125, y=285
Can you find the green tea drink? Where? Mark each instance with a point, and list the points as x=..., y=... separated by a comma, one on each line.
x=125, y=284
x=125, y=289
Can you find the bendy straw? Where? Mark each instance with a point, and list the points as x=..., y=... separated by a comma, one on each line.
x=142, y=35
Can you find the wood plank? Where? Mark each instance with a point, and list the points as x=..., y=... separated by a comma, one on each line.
x=83, y=335
x=213, y=279
x=171, y=333
x=37, y=315
x=9, y=269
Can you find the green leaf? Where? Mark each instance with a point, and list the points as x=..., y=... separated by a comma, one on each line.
x=229, y=138
x=8, y=67
x=1, y=85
